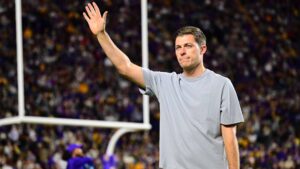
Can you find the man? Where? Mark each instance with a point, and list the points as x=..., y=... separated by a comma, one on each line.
x=77, y=159
x=199, y=108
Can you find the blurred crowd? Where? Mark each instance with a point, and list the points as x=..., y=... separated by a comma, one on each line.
x=66, y=74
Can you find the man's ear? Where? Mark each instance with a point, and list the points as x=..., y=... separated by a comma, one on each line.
x=203, y=49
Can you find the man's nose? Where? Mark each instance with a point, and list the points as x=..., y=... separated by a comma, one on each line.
x=182, y=52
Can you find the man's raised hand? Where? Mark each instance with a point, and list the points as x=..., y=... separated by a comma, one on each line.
x=94, y=18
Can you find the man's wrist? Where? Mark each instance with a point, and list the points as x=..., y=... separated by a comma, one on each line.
x=101, y=33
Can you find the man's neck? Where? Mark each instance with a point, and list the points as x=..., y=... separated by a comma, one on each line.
x=198, y=71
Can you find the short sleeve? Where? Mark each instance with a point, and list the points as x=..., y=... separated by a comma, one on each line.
x=231, y=112
x=152, y=82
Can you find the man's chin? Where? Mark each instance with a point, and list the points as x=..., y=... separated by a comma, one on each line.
x=186, y=67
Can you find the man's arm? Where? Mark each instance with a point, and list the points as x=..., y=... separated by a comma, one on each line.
x=123, y=64
x=231, y=146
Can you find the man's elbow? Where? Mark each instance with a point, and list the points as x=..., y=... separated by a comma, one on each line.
x=124, y=70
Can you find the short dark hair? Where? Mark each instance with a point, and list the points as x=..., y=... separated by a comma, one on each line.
x=192, y=30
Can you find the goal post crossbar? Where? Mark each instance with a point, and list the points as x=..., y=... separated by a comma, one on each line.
x=74, y=122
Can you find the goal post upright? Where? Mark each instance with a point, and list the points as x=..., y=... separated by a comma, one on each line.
x=145, y=55
x=20, y=74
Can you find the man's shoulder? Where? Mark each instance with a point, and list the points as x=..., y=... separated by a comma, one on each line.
x=217, y=77
x=160, y=73
x=169, y=74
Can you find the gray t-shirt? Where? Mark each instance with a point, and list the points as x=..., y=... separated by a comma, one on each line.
x=191, y=111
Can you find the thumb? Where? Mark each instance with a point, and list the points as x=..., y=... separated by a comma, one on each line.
x=105, y=16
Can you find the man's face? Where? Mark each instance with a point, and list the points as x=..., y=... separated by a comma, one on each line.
x=188, y=52
x=77, y=152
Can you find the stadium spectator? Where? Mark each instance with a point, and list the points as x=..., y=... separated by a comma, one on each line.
x=76, y=159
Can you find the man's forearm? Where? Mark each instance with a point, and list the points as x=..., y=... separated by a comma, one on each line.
x=115, y=55
x=123, y=64
x=232, y=152
x=231, y=146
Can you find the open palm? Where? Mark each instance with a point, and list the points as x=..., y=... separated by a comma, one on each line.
x=94, y=18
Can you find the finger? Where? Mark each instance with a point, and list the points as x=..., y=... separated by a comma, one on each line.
x=86, y=17
x=88, y=11
x=91, y=9
x=96, y=8
x=105, y=15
